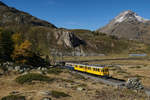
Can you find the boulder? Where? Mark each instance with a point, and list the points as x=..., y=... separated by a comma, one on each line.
x=45, y=93
x=134, y=83
x=46, y=98
x=17, y=68
x=80, y=88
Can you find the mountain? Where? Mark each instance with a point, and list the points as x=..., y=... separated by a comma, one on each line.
x=11, y=16
x=43, y=35
x=128, y=25
x=51, y=40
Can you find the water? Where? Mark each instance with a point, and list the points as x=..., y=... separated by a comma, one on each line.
x=137, y=55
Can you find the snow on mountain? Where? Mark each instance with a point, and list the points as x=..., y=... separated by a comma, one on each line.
x=129, y=15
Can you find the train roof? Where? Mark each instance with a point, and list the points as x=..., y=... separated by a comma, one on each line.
x=94, y=66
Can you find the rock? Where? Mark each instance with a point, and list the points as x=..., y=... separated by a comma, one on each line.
x=42, y=72
x=50, y=66
x=45, y=93
x=80, y=88
x=63, y=37
x=14, y=93
x=46, y=98
x=25, y=73
x=134, y=83
x=39, y=68
x=43, y=69
x=21, y=71
x=17, y=68
x=10, y=68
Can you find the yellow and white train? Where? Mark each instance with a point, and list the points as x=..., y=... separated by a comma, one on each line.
x=96, y=70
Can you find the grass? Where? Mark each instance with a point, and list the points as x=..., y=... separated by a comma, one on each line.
x=78, y=76
x=58, y=94
x=13, y=97
x=119, y=94
x=67, y=80
x=55, y=71
x=83, y=85
x=28, y=78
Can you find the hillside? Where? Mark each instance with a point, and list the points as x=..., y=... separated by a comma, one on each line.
x=108, y=44
x=47, y=39
x=11, y=17
x=43, y=35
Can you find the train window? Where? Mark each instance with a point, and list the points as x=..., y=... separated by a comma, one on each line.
x=98, y=70
x=94, y=69
x=102, y=70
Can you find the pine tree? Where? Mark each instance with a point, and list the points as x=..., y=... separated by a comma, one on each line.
x=6, y=45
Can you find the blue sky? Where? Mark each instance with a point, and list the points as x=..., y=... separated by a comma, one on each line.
x=83, y=14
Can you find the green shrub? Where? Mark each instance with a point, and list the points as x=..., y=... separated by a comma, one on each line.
x=13, y=97
x=28, y=78
x=54, y=71
x=136, y=67
x=58, y=94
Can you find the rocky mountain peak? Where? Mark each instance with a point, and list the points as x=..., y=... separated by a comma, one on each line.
x=129, y=16
x=129, y=25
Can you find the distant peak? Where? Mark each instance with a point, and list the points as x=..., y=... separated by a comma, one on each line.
x=129, y=15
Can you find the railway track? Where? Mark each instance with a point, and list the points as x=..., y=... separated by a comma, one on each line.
x=108, y=80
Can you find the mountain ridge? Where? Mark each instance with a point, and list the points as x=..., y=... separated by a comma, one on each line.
x=11, y=15
x=50, y=40
x=128, y=25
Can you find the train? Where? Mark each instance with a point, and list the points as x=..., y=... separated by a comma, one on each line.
x=99, y=70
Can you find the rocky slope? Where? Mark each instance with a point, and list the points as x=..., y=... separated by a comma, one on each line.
x=11, y=16
x=42, y=34
x=128, y=25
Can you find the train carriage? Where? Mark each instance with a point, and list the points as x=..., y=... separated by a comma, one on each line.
x=96, y=70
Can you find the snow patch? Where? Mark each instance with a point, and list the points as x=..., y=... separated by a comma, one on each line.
x=121, y=19
x=129, y=15
x=140, y=19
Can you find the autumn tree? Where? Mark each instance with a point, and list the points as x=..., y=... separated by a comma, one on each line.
x=17, y=39
x=23, y=54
